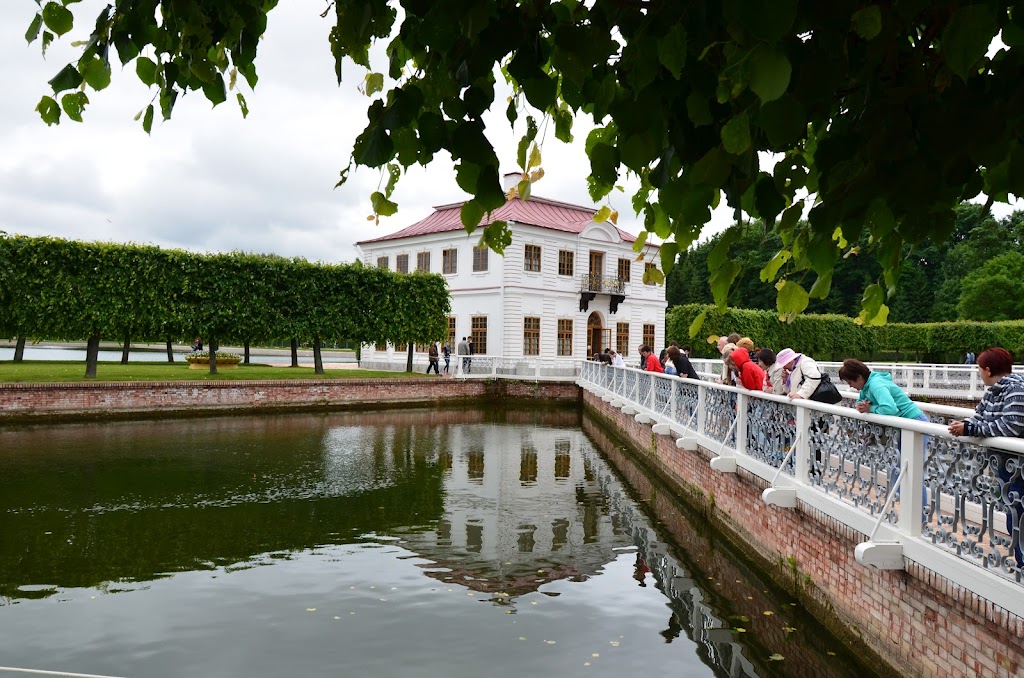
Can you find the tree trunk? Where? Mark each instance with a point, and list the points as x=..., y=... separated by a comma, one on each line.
x=318, y=362
x=19, y=350
x=126, y=348
x=408, y=360
x=170, y=351
x=246, y=358
x=213, y=355
x=295, y=352
x=92, y=351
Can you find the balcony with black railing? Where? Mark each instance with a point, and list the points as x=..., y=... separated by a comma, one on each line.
x=593, y=284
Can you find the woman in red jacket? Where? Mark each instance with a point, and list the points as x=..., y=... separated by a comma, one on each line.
x=751, y=375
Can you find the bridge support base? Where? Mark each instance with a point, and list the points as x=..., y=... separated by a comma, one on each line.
x=881, y=556
x=783, y=497
x=642, y=418
x=628, y=410
x=688, y=444
x=662, y=429
x=724, y=464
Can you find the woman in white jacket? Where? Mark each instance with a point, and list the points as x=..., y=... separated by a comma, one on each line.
x=802, y=373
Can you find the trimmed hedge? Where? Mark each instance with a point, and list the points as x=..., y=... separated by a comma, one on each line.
x=834, y=337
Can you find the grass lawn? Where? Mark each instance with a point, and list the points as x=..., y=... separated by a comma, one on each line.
x=48, y=371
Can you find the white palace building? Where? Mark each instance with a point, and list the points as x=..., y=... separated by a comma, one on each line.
x=565, y=288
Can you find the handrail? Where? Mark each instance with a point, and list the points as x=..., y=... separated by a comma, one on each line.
x=948, y=511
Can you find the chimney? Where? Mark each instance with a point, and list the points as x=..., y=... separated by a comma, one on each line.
x=510, y=180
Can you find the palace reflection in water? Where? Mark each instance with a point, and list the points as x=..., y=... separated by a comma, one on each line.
x=225, y=529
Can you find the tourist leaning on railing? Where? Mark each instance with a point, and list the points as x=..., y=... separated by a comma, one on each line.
x=1001, y=413
x=774, y=376
x=802, y=373
x=878, y=394
x=751, y=375
x=681, y=363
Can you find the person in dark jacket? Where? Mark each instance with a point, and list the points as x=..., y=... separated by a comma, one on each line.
x=1001, y=413
x=682, y=364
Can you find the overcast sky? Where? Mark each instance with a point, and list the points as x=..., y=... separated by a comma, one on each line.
x=207, y=180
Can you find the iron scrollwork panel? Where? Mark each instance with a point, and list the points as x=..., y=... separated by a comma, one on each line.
x=771, y=431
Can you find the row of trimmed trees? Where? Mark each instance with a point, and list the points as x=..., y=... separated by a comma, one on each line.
x=66, y=290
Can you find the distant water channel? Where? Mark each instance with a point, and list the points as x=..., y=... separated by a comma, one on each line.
x=400, y=543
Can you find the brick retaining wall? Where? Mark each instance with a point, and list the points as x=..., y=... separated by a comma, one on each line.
x=916, y=621
x=119, y=399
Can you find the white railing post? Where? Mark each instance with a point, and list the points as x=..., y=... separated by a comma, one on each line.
x=912, y=487
x=802, y=455
x=702, y=402
x=652, y=393
x=741, y=423
x=974, y=384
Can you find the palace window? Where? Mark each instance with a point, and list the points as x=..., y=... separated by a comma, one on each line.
x=449, y=261
x=564, y=337
x=624, y=266
x=480, y=258
x=649, y=335
x=402, y=263
x=622, y=339
x=479, y=333
x=565, y=262
x=423, y=261
x=382, y=262
x=451, y=333
x=531, y=260
x=531, y=336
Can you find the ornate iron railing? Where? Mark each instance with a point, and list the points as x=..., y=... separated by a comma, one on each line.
x=602, y=284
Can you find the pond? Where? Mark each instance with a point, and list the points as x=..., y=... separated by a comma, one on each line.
x=149, y=355
x=397, y=543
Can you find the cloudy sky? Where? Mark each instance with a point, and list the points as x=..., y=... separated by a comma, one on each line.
x=208, y=180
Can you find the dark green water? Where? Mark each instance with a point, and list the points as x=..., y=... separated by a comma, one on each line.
x=412, y=543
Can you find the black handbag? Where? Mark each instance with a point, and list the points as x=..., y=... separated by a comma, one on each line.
x=826, y=391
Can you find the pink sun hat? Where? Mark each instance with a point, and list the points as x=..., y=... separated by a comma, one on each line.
x=786, y=356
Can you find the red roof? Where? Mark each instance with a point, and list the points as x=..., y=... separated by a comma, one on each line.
x=536, y=211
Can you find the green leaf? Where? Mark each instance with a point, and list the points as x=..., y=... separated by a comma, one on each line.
x=147, y=120
x=49, y=110
x=602, y=214
x=145, y=68
x=563, y=125
x=770, y=72
x=768, y=20
x=713, y=169
x=736, y=134
x=669, y=252
x=374, y=82
x=872, y=306
x=967, y=37
x=33, y=28
x=698, y=110
x=867, y=22
x=47, y=39
x=792, y=300
x=697, y=323
x=497, y=236
x=721, y=280
x=784, y=120
x=215, y=91
x=242, y=105
x=771, y=269
x=767, y=200
x=641, y=240
x=68, y=78
x=652, y=276
x=73, y=104
x=96, y=73
x=466, y=176
x=381, y=205
x=822, y=286
x=58, y=18
x=672, y=50
x=471, y=214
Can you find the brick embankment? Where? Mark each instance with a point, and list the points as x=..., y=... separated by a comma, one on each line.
x=914, y=621
x=20, y=402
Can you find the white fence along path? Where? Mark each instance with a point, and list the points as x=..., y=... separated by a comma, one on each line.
x=917, y=492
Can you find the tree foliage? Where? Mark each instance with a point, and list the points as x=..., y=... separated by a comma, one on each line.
x=995, y=291
x=883, y=116
x=60, y=289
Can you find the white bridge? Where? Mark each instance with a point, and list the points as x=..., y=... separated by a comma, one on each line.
x=918, y=493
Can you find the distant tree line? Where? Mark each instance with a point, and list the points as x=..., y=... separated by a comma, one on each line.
x=975, y=274
x=836, y=337
x=65, y=290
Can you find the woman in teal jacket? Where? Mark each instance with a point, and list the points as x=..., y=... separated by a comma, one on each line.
x=878, y=395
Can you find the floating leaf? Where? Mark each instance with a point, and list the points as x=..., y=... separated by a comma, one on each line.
x=767, y=613
x=788, y=629
x=776, y=658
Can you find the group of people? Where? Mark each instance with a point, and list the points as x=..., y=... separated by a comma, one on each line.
x=761, y=369
x=463, y=350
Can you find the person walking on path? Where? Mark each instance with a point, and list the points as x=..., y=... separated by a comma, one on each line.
x=1001, y=413
x=462, y=350
x=432, y=359
x=447, y=353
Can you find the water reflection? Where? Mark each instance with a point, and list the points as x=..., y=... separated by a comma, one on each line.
x=360, y=541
